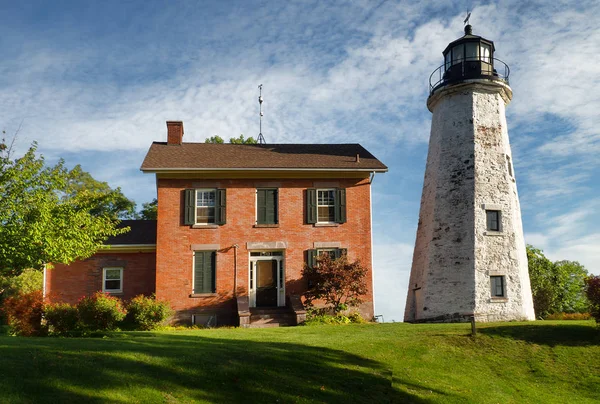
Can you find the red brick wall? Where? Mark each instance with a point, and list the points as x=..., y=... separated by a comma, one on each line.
x=174, y=240
x=68, y=283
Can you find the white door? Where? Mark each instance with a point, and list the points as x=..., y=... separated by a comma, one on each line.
x=266, y=279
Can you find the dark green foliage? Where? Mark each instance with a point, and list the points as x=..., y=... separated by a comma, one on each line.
x=556, y=287
x=24, y=314
x=337, y=282
x=146, y=313
x=592, y=291
x=149, y=210
x=100, y=312
x=62, y=319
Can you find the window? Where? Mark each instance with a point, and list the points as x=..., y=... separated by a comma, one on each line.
x=266, y=206
x=325, y=205
x=498, y=287
x=334, y=253
x=494, y=220
x=112, y=280
x=204, y=272
x=205, y=206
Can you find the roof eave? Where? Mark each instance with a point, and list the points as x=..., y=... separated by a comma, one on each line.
x=175, y=169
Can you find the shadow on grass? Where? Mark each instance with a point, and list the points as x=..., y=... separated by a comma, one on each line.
x=184, y=368
x=547, y=334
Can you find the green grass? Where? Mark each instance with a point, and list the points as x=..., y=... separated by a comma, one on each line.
x=550, y=361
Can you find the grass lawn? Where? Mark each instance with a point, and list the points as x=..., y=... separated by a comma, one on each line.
x=550, y=361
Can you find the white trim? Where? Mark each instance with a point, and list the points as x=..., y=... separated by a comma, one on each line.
x=120, y=290
x=280, y=278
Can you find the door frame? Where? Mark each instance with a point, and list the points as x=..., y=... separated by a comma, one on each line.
x=280, y=275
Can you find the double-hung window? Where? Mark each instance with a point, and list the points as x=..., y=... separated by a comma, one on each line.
x=325, y=205
x=267, y=206
x=204, y=272
x=112, y=280
x=205, y=206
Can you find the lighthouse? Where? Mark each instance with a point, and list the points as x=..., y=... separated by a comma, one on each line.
x=469, y=258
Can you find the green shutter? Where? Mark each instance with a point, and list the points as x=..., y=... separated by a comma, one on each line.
x=204, y=272
x=189, y=210
x=271, y=206
x=311, y=258
x=340, y=205
x=338, y=252
x=261, y=206
x=311, y=205
x=221, y=202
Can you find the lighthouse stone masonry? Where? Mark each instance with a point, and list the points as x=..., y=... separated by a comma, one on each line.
x=469, y=257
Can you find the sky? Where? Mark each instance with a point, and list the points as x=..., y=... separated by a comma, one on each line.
x=94, y=82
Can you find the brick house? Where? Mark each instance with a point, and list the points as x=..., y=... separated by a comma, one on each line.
x=237, y=223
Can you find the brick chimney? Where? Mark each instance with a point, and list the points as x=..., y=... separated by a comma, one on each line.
x=174, y=132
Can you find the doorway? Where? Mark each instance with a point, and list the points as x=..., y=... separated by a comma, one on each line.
x=266, y=279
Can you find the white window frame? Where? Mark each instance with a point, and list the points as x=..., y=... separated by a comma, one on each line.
x=214, y=219
x=104, y=270
x=318, y=205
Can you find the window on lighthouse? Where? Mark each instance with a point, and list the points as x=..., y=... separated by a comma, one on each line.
x=494, y=220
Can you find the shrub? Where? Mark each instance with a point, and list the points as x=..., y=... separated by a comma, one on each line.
x=569, y=316
x=24, y=313
x=62, y=319
x=146, y=313
x=356, y=318
x=28, y=281
x=100, y=312
x=592, y=291
x=341, y=284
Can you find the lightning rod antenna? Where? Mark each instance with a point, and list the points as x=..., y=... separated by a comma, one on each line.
x=261, y=138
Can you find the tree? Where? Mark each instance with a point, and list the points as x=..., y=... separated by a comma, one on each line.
x=108, y=201
x=592, y=291
x=339, y=283
x=233, y=140
x=214, y=139
x=149, y=210
x=241, y=140
x=556, y=287
x=45, y=217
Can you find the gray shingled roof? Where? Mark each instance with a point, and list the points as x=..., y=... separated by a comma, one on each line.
x=142, y=232
x=206, y=156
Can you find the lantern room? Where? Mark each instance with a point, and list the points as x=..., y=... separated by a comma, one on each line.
x=469, y=57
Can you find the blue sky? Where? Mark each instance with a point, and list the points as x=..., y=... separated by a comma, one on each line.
x=94, y=83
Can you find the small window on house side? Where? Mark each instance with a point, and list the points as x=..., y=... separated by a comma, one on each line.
x=204, y=272
x=266, y=206
x=112, y=280
x=494, y=220
x=498, y=286
x=334, y=253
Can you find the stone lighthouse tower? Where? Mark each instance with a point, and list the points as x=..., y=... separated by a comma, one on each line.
x=469, y=257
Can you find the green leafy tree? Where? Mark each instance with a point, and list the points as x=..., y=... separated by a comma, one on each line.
x=241, y=140
x=149, y=210
x=107, y=201
x=233, y=140
x=214, y=139
x=46, y=217
x=556, y=286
